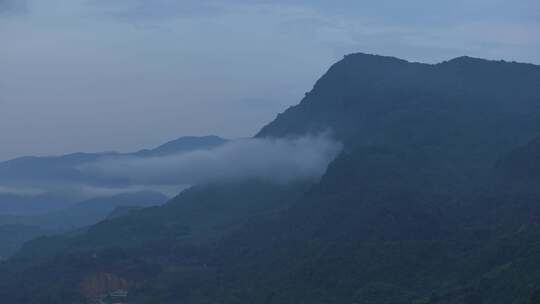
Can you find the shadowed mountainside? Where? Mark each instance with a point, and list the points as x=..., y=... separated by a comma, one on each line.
x=16, y=230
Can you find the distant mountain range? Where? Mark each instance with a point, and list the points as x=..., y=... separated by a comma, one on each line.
x=31, y=170
x=37, y=185
x=182, y=145
x=46, y=195
x=15, y=230
x=433, y=201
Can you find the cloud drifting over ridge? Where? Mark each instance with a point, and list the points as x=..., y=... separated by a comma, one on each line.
x=276, y=160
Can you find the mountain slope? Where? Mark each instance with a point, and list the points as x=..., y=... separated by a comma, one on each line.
x=145, y=241
x=522, y=164
x=199, y=214
x=93, y=210
x=16, y=230
x=48, y=169
x=182, y=145
x=465, y=110
x=413, y=211
x=39, y=185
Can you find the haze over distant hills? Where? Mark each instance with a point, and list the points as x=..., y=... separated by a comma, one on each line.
x=48, y=195
x=15, y=230
x=32, y=185
x=420, y=205
x=28, y=170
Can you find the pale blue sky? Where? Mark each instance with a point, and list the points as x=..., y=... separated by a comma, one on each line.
x=91, y=75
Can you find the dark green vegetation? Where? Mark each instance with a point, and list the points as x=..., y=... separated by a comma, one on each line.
x=434, y=200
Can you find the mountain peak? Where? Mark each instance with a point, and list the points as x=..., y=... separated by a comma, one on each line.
x=370, y=61
x=472, y=61
x=372, y=57
x=466, y=59
x=184, y=144
x=378, y=100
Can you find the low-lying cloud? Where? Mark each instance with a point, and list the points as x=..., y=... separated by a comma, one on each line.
x=275, y=160
x=20, y=191
x=87, y=192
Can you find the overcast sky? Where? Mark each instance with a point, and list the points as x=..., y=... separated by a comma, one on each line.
x=92, y=75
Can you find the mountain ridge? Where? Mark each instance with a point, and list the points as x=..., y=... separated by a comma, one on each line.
x=34, y=179
x=412, y=211
x=175, y=145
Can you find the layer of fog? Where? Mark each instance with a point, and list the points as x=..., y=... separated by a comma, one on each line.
x=82, y=192
x=20, y=191
x=167, y=190
x=275, y=160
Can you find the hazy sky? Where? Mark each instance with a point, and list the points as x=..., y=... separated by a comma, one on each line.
x=91, y=75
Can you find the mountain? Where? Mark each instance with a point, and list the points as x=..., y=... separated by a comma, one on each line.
x=33, y=203
x=16, y=230
x=29, y=169
x=93, y=210
x=184, y=144
x=465, y=111
x=420, y=207
x=30, y=185
x=14, y=235
x=199, y=214
x=522, y=164
x=49, y=195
